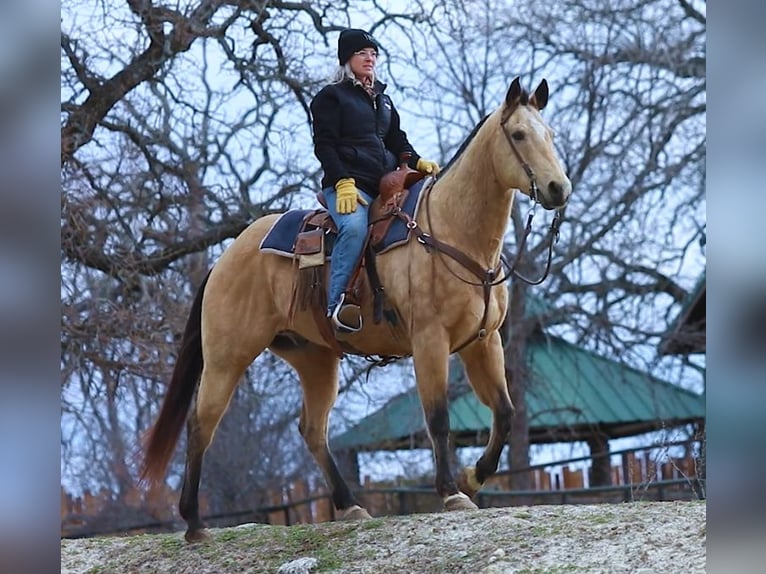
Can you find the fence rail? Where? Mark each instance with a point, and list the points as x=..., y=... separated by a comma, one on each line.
x=642, y=474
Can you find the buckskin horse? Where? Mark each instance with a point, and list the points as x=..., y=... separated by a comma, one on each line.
x=446, y=285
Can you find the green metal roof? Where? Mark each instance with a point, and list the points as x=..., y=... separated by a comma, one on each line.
x=571, y=392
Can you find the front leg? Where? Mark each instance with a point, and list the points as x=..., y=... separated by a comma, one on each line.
x=431, y=358
x=485, y=368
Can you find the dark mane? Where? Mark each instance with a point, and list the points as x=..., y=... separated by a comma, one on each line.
x=465, y=143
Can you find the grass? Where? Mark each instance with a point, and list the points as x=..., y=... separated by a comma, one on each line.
x=372, y=524
x=605, y=518
x=563, y=569
x=451, y=543
x=307, y=540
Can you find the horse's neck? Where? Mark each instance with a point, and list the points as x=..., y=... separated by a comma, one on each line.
x=469, y=208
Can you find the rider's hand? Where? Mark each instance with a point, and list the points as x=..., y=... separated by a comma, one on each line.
x=428, y=167
x=347, y=196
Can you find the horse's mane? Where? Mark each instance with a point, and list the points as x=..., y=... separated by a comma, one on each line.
x=524, y=101
x=465, y=143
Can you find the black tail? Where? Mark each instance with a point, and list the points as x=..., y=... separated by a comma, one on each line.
x=163, y=436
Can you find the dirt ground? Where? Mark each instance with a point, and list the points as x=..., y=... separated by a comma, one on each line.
x=636, y=538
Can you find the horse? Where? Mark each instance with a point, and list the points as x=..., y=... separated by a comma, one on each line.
x=243, y=307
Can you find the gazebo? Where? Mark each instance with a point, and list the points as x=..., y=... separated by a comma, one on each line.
x=686, y=334
x=572, y=395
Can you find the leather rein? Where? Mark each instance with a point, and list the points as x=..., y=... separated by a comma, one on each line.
x=487, y=278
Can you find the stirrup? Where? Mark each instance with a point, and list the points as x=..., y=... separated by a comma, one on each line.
x=346, y=317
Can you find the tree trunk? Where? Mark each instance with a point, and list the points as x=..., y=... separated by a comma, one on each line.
x=124, y=480
x=516, y=372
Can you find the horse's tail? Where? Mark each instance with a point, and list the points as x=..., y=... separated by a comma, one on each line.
x=163, y=436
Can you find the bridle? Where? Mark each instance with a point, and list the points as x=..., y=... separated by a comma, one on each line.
x=487, y=278
x=534, y=195
x=533, y=189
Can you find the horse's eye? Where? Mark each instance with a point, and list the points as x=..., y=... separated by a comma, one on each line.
x=518, y=135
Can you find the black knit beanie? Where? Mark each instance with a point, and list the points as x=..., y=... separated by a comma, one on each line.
x=352, y=40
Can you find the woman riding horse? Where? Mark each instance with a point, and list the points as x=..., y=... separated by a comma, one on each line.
x=357, y=139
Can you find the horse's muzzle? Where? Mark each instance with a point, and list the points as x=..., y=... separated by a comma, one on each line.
x=557, y=194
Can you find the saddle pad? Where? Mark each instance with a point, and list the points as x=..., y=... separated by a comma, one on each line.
x=281, y=236
x=398, y=233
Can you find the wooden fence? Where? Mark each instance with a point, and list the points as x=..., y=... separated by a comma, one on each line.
x=639, y=476
x=642, y=474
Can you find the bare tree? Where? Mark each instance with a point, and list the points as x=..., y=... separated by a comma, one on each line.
x=628, y=107
x=183, y=122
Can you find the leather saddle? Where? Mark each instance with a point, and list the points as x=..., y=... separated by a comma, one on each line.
x=393, y=190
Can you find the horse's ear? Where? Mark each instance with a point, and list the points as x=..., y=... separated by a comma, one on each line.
x=540, y=98
x=513, y=95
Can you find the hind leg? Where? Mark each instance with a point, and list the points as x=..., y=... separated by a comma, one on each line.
x=317, y=368
x=216, y=388
x=485, y=366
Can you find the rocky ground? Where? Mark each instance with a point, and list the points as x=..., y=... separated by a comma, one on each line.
x=636, y=538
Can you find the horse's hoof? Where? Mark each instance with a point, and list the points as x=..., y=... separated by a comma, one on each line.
x=356, y=512
x=459, y=501
x=197, y=536
x=467, y=481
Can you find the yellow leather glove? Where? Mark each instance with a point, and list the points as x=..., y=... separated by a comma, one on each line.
x=345, y=202
x=428, y=167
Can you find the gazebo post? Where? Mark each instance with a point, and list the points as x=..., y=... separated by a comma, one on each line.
x=601, y=467
x=348, y=464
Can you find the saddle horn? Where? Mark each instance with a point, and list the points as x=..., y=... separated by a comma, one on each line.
x=396, y=181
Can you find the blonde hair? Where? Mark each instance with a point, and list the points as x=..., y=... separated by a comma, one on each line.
x=343, y=73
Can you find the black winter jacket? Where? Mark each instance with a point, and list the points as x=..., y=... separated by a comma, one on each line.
x=357, y=136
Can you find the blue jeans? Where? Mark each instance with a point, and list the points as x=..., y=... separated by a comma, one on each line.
x=352, y=231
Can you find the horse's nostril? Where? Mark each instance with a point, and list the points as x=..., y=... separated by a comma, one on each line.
x=556, y=191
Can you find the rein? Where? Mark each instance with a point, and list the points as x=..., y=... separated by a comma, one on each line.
x=488, y=278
